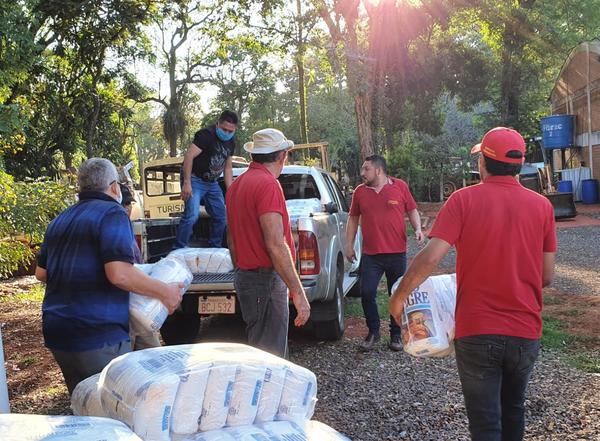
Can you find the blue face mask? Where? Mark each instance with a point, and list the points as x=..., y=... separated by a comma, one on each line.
x=223, y=135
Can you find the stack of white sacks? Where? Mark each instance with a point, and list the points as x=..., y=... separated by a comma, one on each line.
x=207, y=391
x=148, y=314
x=428, y=317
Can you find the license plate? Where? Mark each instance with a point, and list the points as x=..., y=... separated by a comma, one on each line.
x=216, y=305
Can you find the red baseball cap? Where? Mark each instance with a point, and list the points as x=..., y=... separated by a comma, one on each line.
x=498, y=142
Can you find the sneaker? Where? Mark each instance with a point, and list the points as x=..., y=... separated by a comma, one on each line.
x=369, y=342
x=395, y=344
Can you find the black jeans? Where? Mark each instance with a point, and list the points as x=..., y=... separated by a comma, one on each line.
x=264, y=303
x=494, y=371
x=372, y=268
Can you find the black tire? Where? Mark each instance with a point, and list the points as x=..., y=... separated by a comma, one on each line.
x=180, y=328
x=333, y=329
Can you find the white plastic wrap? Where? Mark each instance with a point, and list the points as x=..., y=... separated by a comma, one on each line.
x=205, y=260
x=85, y=400
x=147, y=314
x=428, y=318
x=303, y=207
x=272, y=431
x=17, y=427
x=203, y=387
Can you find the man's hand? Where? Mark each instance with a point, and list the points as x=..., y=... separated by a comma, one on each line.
x=350, y=253
x=302, y=307
x=172, y=296
x=396, y=308
x=186, y=191
x=419, y=236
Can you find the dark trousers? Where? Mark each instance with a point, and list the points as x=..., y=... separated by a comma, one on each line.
x=263, y=298
x=77, y=366
x=494, y=371
x=372, y=268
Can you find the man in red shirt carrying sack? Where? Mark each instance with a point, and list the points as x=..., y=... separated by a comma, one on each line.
x=380, y=203
x=505, y=242
x=261, y=244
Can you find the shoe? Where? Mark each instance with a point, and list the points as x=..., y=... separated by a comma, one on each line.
x=395, y=344
x=369, y=342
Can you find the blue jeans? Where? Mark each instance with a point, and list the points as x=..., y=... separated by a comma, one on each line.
x=494, y=371
x=211, y=194
x=372, y=268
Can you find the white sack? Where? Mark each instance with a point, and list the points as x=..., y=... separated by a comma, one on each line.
x=428, y=318
x=17, y=427
x=205, y=260
x=316, y=431
x=85, y=400
x=245, y=395
x=139, y=388
x=299, y=396
x=303, y=207
x=147, y=314
x=212, y=435
x=270, y=396
x=187, y=407
x=217, y=397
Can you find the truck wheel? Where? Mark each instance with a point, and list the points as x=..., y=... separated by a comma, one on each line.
x=333, y=329
x=180, y=328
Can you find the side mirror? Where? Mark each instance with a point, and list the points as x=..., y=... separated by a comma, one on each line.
x=331, y=208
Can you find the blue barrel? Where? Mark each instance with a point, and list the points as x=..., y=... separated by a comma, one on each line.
x=565, y=187
x=589, y=191
x=558, y=131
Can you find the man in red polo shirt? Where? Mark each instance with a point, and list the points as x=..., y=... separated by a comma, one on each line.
x=505, y=242
x=380, y=204
x=260, y=241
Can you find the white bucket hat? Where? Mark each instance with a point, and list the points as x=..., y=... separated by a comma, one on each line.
x=268, y=141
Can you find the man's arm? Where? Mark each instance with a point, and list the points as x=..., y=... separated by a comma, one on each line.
x=548, y=269
x=420, y=268
x=351, y=229
x=415, y=221
x=228, y=172
x=127, y=277
x=188, y=160
x=231, y=247
x=41, y=274
x=272, y=227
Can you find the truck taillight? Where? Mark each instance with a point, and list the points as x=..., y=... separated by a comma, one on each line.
x=308, y=253
x=138, y=240
x=147, y=214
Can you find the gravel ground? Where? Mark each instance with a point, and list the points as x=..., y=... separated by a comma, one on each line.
x=392, y=396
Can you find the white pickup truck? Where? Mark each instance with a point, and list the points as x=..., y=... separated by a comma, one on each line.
x=319, y=237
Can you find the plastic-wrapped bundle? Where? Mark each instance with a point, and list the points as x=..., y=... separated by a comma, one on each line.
x=205, y=260
x=428, y=317
x=147, y=314
x=201, y=387
x=85, y=400
x=303, y=207
x=273, y=431
x=16, y=427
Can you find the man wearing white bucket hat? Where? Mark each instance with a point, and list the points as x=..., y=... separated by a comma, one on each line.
x=260, y=240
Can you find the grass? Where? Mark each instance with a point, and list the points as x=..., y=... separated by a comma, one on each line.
x=35, y=294
x=354, y=306
x=555, y=337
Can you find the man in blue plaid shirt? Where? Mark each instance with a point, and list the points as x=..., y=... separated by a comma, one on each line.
x=86, y=260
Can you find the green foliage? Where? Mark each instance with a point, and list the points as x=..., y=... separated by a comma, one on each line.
x=26, y=208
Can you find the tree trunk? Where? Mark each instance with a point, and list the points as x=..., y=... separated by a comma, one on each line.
x=301, y=83
x=362, y=107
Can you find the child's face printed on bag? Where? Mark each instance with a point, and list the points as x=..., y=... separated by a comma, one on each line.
x=417, y=326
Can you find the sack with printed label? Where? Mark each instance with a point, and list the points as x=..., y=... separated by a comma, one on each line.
x=204, y=260
x=427, y=326
x=85, y=400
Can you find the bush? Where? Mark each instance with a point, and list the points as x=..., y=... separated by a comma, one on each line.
x=26, y=209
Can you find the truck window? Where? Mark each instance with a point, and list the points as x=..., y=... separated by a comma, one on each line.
x=163, y=181
x=299, y=186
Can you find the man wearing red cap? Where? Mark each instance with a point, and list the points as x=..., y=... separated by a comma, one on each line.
x=261, y=243
x=505, y=242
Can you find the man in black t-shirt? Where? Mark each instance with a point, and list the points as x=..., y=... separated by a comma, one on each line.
x=207, y=157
